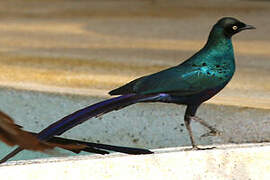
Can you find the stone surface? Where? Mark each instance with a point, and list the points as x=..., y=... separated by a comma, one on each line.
x=148, y=125
x=226, y=162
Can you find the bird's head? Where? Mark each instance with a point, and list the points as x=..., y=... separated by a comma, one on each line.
x=231, y=26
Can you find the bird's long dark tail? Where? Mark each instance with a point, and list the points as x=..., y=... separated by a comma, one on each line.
x=84, y=114
x=96, y=148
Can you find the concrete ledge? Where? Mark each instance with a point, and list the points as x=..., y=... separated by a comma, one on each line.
x=247, y=161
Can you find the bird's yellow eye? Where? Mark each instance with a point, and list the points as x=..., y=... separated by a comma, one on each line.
x=234, y=27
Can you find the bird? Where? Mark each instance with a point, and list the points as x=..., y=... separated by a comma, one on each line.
x=13, y=134
x=190, y=83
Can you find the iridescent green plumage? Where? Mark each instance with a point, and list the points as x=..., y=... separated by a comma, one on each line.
x=191, y=83
x=198, y=78
x=213, y=66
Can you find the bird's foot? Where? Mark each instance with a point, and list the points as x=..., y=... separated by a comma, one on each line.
x=212, y=133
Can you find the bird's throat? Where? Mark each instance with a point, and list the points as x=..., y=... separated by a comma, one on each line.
x=218, y=40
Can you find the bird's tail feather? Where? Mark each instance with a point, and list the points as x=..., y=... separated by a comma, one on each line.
x=97, y=147
x=82, y=115
x=94, y=110
x=89, y=147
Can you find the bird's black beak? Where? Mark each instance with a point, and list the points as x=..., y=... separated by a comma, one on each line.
x=247, y=27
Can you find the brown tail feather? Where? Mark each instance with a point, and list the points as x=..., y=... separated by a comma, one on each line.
x=12, y=134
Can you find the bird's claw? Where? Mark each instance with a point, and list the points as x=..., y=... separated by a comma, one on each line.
x=212, y=133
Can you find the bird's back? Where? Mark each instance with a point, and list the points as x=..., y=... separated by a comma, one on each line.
x=204, y=70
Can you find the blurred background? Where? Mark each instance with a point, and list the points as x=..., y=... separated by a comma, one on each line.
x=57, y=56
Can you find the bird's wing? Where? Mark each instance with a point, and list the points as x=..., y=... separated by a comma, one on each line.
x=184, y=79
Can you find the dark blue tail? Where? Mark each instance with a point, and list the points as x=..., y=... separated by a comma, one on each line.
x=90, y=147
x=82, y=115
x=97, y=147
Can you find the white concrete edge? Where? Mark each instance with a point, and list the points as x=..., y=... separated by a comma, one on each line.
x=208, y=148
x=241, y=162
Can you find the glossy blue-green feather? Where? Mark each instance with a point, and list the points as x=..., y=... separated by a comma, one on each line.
x=191, y=83
x=213, y=66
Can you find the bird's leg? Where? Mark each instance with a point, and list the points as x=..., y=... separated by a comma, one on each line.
x=187, y=124
x=189, y=114
x=213, y=131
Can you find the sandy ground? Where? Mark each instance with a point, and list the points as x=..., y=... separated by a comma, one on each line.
x=90, y=47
